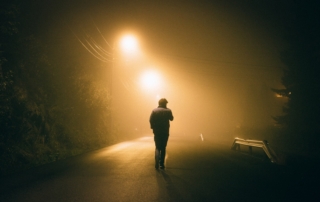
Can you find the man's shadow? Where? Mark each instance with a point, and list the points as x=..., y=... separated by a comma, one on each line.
x=178, y=189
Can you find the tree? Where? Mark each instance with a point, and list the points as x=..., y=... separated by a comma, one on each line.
x=54, y=101
x=301, y=114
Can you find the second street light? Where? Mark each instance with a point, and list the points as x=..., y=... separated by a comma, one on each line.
x=150, y=80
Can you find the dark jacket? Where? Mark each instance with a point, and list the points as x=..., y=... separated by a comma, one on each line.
x=160, y=117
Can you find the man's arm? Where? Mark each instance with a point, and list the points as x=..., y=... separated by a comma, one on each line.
x=171, y=116
x=151, y=120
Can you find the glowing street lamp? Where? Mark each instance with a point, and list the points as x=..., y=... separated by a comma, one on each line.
x=129, y=44
x=150, y=80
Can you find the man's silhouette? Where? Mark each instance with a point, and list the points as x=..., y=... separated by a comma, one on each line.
x=159, y=121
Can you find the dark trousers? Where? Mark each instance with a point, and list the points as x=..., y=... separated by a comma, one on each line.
x=161, y=139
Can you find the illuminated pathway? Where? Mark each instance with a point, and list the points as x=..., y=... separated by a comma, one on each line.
x=196, y=171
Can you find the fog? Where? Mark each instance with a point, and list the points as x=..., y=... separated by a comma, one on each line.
x=69, y=85
x=215, y=62
x=206, y=97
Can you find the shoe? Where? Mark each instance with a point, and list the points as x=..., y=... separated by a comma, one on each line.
x=162, y=166
x=157, y=165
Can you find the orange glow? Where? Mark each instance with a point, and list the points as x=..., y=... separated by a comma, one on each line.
x=150, y=80
x=129, y=44
x=120, y=147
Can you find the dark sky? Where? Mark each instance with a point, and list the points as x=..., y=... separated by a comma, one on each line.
x=212, y=54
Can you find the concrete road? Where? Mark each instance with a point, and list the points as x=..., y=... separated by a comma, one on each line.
x=196, y=170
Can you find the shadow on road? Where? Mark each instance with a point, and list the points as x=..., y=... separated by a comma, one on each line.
x=179, y=189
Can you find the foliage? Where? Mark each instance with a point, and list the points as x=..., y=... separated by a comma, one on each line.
x=300, y=79
x=51, y=106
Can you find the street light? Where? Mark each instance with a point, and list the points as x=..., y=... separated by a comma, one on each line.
x=123, y=47
x=129, y=44
x=150, y=80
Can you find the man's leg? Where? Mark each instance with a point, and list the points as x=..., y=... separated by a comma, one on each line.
x=163, y=146
x=157, y=157
x=157, y=152
x=160, y=139
x=162, y=157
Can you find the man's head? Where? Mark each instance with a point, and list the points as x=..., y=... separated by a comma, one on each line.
x=163, y=102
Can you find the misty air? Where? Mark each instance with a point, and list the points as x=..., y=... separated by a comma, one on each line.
x=159, y=101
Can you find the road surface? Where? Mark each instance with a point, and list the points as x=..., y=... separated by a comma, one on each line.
x=196, y=170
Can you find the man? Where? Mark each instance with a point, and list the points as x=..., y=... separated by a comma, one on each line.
x=159, y=121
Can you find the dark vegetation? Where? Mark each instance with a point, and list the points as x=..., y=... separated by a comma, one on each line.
x=301, y=114
x=297, y=129
x=54, y=100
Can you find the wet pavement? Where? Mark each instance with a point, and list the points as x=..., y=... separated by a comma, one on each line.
x=196, y=170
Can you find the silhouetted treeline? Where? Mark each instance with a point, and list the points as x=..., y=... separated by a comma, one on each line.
x=53, y=102
x=301, y=117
